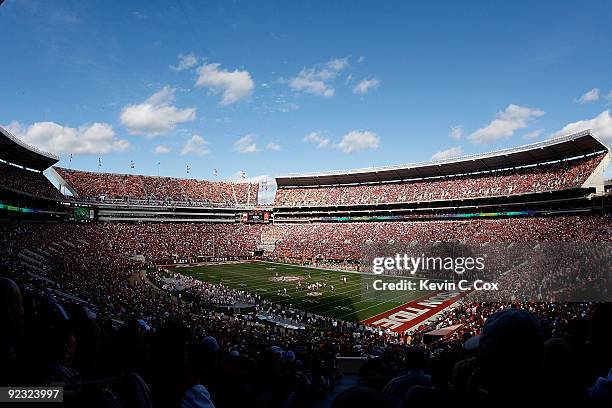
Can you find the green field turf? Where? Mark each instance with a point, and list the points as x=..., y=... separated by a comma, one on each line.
x=345, y=302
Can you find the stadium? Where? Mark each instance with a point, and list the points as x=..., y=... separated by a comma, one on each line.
x=145, y=265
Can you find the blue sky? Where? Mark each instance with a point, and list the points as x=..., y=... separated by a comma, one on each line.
x=282, y=87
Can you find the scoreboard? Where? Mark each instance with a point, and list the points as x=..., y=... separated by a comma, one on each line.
x=82, y=213
x=256, y=217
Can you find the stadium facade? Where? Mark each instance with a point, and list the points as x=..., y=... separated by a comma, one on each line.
x=561, y=177
x=126, y=245
x=397, y=193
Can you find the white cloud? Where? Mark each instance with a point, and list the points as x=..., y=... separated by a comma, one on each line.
x=273, y=146
x=185, y=61
x=352, y=141
x=504, y=125
x=337, y=64
x=233, y=85
x=534, y=134
x=357, y=140
x=246, y=144
x=197, y=145
x=448, y=153
x=156, y=115
x=600, y=125
x=590, y=96
x=289, y=107
x=366, y=85
x=306, y=81
x=318, y=80
x=316, y=138
x=94, y=138
x=456, y=132
x=361, y=59
x=161, y=149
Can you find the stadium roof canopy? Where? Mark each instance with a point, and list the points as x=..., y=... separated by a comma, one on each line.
x=15, y=151
x=564, y=147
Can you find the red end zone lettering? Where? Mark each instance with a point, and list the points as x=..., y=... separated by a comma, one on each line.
x=407, y=316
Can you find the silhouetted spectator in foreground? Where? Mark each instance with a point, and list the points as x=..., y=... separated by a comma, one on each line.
x=362, y=396
x=510, y=358
x=11, y=325
x=415, y=363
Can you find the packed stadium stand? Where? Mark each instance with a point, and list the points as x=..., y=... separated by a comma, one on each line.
x=126, y=186
x=533, y=179
x=83, y=282
x=563, y=170
x=346, y=241
x=21, y=168
x=27, y=181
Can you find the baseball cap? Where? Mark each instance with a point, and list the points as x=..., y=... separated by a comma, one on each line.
x=507, y=328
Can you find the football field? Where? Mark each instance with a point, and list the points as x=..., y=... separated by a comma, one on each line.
x=289, y=285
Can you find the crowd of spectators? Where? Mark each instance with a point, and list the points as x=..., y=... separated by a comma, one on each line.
x=82, y=316
x=27, y=181
x=347, y=240
x=553, y=272
x=544, y=177
x=113, y=339
x=182, y=241
x=207, y=293
x=126, y=187
x=536, y=354
x=167, y=189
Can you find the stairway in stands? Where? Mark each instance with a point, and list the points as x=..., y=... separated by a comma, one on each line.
x=36, y=262
x=234, y=194
x=269, y=238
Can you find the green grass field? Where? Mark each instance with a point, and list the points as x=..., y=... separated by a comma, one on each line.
x=346, y=302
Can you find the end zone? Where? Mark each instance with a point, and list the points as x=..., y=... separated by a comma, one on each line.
x=409, y=315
